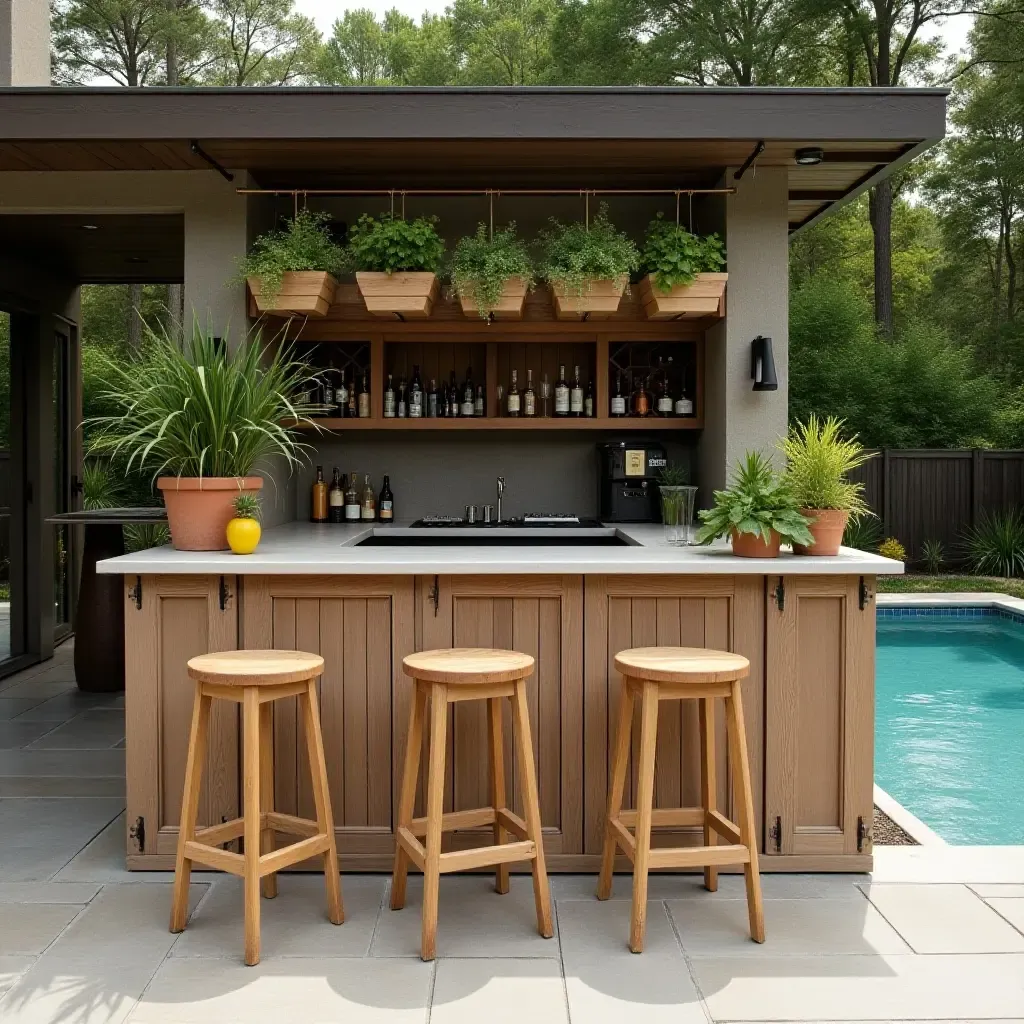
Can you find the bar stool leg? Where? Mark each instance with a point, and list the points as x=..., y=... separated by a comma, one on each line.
x=745, y=808
x=496, y=744
x=268, y=884
x=251, y=816
x=531, y=808
x=620, y=764
x=644, y=806
x=708, y=781
x=190, y=805
x=435, y=811
x=322, y=801
x=407, y=797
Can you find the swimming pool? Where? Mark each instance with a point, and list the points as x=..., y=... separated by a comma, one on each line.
x=949, y=721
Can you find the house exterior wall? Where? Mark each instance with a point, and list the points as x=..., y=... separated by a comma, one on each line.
x=24, y=42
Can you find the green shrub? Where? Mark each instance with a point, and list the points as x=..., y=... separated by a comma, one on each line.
x=892, y=548
x=818, y=461
x=482, y=265
x=573, y=255
x=100, y=489
x=385, y=244
x=933, y=555
x=995, y=546
x=864, y=534
x=674, y=256
x=758, y=502
x=306, y=244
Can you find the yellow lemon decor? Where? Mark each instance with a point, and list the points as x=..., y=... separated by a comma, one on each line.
x=244, y=530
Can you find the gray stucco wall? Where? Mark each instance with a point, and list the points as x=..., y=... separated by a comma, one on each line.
x=24, y=42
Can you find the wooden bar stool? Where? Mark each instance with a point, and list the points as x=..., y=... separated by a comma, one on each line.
x=442, y=678
x=254, y=679
x=681, y=673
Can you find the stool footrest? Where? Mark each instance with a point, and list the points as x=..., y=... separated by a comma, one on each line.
x=453, y=820
x=286, y=856
x=513, y=823
x=724, y=827
x=277, y=860
x=215, y=857
x=488, y=856
x=666, y=816
x=289, y=824
x=698, y=856
x=412, y=846
x=225, y=832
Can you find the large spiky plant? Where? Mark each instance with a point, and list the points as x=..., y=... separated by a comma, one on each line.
x=819, y=460
x=208, y=408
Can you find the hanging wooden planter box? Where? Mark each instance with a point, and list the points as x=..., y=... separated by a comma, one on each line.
x=306, y=292
x=703, y=297
x=599, y=301
x=407, y=294
x=508, y=307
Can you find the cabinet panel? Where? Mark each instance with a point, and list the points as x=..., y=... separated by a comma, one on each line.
x=624, y=611
x=820, y=716
x=179, y=617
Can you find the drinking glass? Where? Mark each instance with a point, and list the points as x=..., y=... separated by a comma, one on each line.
x=677, y=506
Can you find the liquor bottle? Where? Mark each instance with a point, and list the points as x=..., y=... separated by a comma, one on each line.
x=318, y=508
x=327, y=390
x=368, y=506
x=468, y=395
x=352, y=397
x=386, y=503
x=561, y=394
x=576, y=395
x=545, y=396
x=529, y=396
x=433, y=406
x=664, y=405
x=351, y=500
x=512, y=398
x=588, y=400
x=389, y=399
x=341, y=395
x=416, y=394
x=478, y=404
x=403, y=402
x=454, y=397
x=618, y=403
x=641, y=399
x=364, y=398
x=684, y=404
x=336, y=499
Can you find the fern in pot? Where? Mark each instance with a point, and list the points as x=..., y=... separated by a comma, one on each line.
x=684, y=273
x=200, y=418
x=491, y=273
x=396, y=263
x=757, y=512
x=587, y=266
x=819, y=460
x=295, y=270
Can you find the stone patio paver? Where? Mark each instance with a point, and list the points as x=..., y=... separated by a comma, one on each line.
x=28, y=928
x=498, y=991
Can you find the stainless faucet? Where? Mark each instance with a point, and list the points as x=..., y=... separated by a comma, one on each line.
x=501, y=491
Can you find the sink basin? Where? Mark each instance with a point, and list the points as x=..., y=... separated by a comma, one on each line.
x=562, y=537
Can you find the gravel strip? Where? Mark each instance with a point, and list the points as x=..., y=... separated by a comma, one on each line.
x=887, y=833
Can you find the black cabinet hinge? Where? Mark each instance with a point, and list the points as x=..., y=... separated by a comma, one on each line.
x=863, y=595
x=225, y=593
x=780, y=594
x=435, y=595
x=135, y=593
x=775, y=834
x=864, y=835
x=137, y=833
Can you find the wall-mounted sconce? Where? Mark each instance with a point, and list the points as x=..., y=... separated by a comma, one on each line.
x=762, y=365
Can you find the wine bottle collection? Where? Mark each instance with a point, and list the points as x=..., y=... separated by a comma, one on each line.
x=349, y=499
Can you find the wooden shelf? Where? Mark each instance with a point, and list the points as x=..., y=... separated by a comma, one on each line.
x=625, y=423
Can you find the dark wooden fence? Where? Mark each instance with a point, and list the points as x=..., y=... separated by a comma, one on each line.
x=938, y=494
x=5, y=517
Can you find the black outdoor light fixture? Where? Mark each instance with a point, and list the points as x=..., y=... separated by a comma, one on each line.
x=809, y=156
x=762, y=365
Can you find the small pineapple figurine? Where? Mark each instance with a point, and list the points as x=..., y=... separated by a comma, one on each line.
x=244, y=530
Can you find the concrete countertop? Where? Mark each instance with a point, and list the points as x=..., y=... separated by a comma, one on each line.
x=309, y=549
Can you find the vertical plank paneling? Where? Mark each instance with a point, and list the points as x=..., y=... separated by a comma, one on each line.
x=378, y=711
x=748, y=640
x=501, y=625
x=644, y=614
x=718, y=636
x=144, y=741
x=526, y=638
x=572, y=721
x=332, y=700
x=307, y=638
x=221, y=784
x=548, y=736
x=354, y=631
x=668, y=756
x=597, y=687
x=691, y=634
x=474, y=627
x=285, y=717
x=859, y=713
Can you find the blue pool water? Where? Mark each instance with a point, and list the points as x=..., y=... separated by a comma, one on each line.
x=949, y=723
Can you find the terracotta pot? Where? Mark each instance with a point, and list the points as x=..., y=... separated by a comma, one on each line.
x=508, y=307
x=827, y=528
x=200, y=508
x=703, y=298
x=599, y=301
x=405, y=293
x=753, y=545
x=306, y=292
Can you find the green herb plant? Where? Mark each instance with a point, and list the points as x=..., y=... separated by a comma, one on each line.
x=387, y=244
x=482, y=265
x=674, y=256
x=759, y=501
x=306, y=244
x=208, y=409
x=995, y=546
x=674, y=475
x=574, y=256
x=818, y=462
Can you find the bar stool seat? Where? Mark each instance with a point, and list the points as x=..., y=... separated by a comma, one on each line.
x=254, y=679
x=443, y=677
x=653, y=674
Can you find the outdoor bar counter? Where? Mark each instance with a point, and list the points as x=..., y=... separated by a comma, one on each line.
x=807, y=625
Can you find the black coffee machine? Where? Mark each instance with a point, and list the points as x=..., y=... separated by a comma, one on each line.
x=629, y=480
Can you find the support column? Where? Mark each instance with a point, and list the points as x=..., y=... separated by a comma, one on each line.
x=24, y=42
x=757, y=240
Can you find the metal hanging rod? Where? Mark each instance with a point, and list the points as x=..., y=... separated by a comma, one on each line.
x=296, y=192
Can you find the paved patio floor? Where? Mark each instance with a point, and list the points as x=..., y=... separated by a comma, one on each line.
x=935, y=934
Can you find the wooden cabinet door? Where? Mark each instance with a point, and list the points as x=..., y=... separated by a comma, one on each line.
x=819, y=711
x=167, y=620
x=541, y=616
x=362, y=626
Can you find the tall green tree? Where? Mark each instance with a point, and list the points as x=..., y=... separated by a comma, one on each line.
x=503, y=42
x=262, y=42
